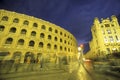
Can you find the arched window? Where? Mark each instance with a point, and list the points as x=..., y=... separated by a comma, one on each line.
x=35, y=25
x=65, y=49
x=65, y=41
x=42, y=35
x=48, y=45
x=43, y=27
x=26, y=22
x=31, y=43
x=55, y=38
x=60, y=47
x=33, y=33
x=2, y=28
x=9, y=41
x=65, y=35
x=56, y=31
x=60, y=33
x=20, y=42
x=16, y=20
x=23, y=31
x=68, y=49
x=4, y=18
x=12, y=30
x=50, y=29
x=55, y=46
x=60, y=40
x=41, y=44
x=49, y=37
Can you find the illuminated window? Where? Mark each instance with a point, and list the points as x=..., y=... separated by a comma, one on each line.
x=42, y=35
x=48, y=45
x=26, y=22
x=12, y=30
x=23, y=31
x=107, y=25
x=20, y=42
x=41, y=44
x=109, y=31
x=111, y=38
x=49, y=37
x=33, y=33
x=9, y=41
x=4, y=18
x=2, y=28
x=31, y=43
x=43, y=27
x=16, y=20
x=35, y=25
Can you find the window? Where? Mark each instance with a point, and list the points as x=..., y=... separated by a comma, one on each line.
x=42, y=35
x=43, y=27
x=50, y=29
x=117, y=38
x=2, y=28
x=65, y=41
x=65, y=49
x=56, y=31
x=109, y=31
x=33, y=33
x=16, y=20
x=107, y=25
x=60, y=33
x=114, y=30
x=48, y=45
x=35, y=25
x=60, y=40
x=4, y=18
x=68, y=49
x=20, y=42
x=23, y=31
x=55, y=38
x=12, y=30
x=55, y=46
x=31, y=43
x=9, y=41
x=111, y=38
x=105, y=39
x=65, y=35
x=60, y=47
x=26, y=22
x=49, y=37
x=41, y=44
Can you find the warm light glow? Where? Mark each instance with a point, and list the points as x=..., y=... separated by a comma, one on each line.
x=79, y=48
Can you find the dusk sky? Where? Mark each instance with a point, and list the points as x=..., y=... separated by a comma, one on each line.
x=76, y=16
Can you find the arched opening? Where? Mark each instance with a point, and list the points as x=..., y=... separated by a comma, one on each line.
x=49, y=37
x=29, y=58
x=35, y=25
x=33, y=33
x=16, y=57
x=12, y=30
x=49, y=46
x=9, y=41
x=55, y=38
x=55, y=47
x=43, y=27
x=42, y=35
x=2, y=28
x=31, y=43
x=41, y=44
x=26, y=22
x=50, y=29
x=4, y=18
x=20, y=42
x=23, y=31
x=16, y=20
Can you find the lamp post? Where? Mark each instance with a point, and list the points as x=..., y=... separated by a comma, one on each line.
x=80, y=53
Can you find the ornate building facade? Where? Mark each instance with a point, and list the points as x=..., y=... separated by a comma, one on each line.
x=105, y=38
x=28, y=38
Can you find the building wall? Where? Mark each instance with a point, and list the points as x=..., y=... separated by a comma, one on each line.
x=29, y=36
x=105, y=37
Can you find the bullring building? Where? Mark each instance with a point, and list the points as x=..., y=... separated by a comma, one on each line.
x=28, y=38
